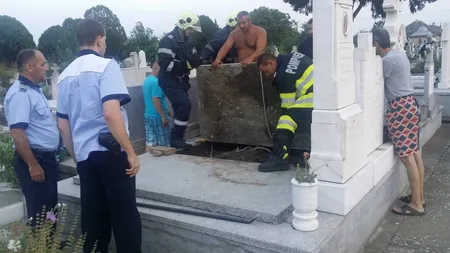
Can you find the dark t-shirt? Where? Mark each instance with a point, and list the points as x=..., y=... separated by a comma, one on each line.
x=306, y=47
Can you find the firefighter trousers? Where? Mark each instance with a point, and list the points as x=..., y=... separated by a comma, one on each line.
x=292, y=121
x=181, y=105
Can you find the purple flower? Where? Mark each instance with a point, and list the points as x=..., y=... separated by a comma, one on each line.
x=51, y=216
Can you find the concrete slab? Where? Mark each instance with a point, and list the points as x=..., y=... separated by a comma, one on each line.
x=185, y=233
x=215, y=185
x=231, y=105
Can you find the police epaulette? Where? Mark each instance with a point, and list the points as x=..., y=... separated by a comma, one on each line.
x=170, y=36
x=23, y=87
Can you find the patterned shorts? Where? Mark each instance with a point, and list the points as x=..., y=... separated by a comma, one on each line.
x=156, y=134
x=403, y=125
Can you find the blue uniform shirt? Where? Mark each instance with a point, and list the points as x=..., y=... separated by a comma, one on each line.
x=26, y=107
x=83, y=87
x=151, y=89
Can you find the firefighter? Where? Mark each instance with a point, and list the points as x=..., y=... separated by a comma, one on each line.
x=294, y=79
x=177, y=57
x=209, y=53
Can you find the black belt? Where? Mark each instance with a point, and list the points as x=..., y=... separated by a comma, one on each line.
x=40, y=153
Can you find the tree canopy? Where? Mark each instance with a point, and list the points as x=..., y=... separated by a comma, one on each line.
x=56, y=43
x=279, y=26
x=13, y=38
x=305, y=6
x=115, y=33
x=142, y=38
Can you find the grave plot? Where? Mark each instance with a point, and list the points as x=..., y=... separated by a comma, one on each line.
x=239, y=106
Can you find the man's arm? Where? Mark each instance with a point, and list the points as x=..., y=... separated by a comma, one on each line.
x=64, y=123
x=166, y=57
x=116, y=124
x=19, y=110
x=261, y=43
x=23, y=146
x=388, y=65
x=66, y=133
x=114, y=94
x=225, y=48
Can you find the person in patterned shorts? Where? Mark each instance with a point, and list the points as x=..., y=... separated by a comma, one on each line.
x=402, y=120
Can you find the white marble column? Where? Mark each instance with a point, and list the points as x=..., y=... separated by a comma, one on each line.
x=54, y=83
x=445, y=67
x=429, y=74
x=337, y=135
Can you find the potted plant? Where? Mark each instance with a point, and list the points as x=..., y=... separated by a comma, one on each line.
x=304, y=198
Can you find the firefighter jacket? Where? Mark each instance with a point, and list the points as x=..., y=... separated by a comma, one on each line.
x=209, y=53
x=176, y=57
x=294, y=79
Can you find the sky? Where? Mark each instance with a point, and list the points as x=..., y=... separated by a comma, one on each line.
x=160, y=15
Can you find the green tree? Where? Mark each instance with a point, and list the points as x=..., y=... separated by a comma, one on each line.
x=56, y=43
x=305, y=6
x=209, y=28
x=13, y=38
x=143, y=39
x=71, y=25
x=115, y=34
x=379, y=23
x=277, y=24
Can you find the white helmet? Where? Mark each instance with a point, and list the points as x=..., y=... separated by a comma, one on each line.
x=189, y=20
x=232, y=19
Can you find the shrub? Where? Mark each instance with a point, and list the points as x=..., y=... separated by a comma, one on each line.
x=7, y=173
x=45, y=237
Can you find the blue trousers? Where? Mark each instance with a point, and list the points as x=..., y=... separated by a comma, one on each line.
x=38, y=195
x=108, y=200
x=181, y=104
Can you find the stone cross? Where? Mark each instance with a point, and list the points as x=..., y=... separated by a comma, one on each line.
x=135, y=59
x=393, y=25
x=142, y=59
x=445, y=67
x=294, y=49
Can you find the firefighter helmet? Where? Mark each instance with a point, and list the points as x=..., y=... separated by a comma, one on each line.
x=189, y=20
x=232, y=19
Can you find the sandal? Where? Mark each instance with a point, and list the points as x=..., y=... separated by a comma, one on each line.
x=406, y=210
x=407, y=199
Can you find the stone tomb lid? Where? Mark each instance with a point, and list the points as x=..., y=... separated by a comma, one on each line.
x=216, y=185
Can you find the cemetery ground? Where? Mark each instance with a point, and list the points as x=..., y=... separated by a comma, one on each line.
x=430, y=233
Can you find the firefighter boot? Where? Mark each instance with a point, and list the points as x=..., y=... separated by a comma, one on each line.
x=279, y=161
x=180, y=144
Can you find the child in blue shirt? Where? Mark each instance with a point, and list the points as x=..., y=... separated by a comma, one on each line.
x=156, y=117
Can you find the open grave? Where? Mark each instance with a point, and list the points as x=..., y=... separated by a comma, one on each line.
x=217, y=201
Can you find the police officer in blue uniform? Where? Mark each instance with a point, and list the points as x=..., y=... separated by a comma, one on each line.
x=94, y=126
x=176, y=58
x=209, y=53
x=35, y=134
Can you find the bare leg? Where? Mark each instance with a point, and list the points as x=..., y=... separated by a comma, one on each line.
x=414, y=182
x=421, y=167
x=147, y=149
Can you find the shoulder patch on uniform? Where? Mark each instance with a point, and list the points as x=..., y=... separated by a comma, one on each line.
x=23, y=88
x=170, y=36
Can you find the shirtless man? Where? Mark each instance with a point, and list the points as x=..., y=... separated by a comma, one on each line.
x=249, y=41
